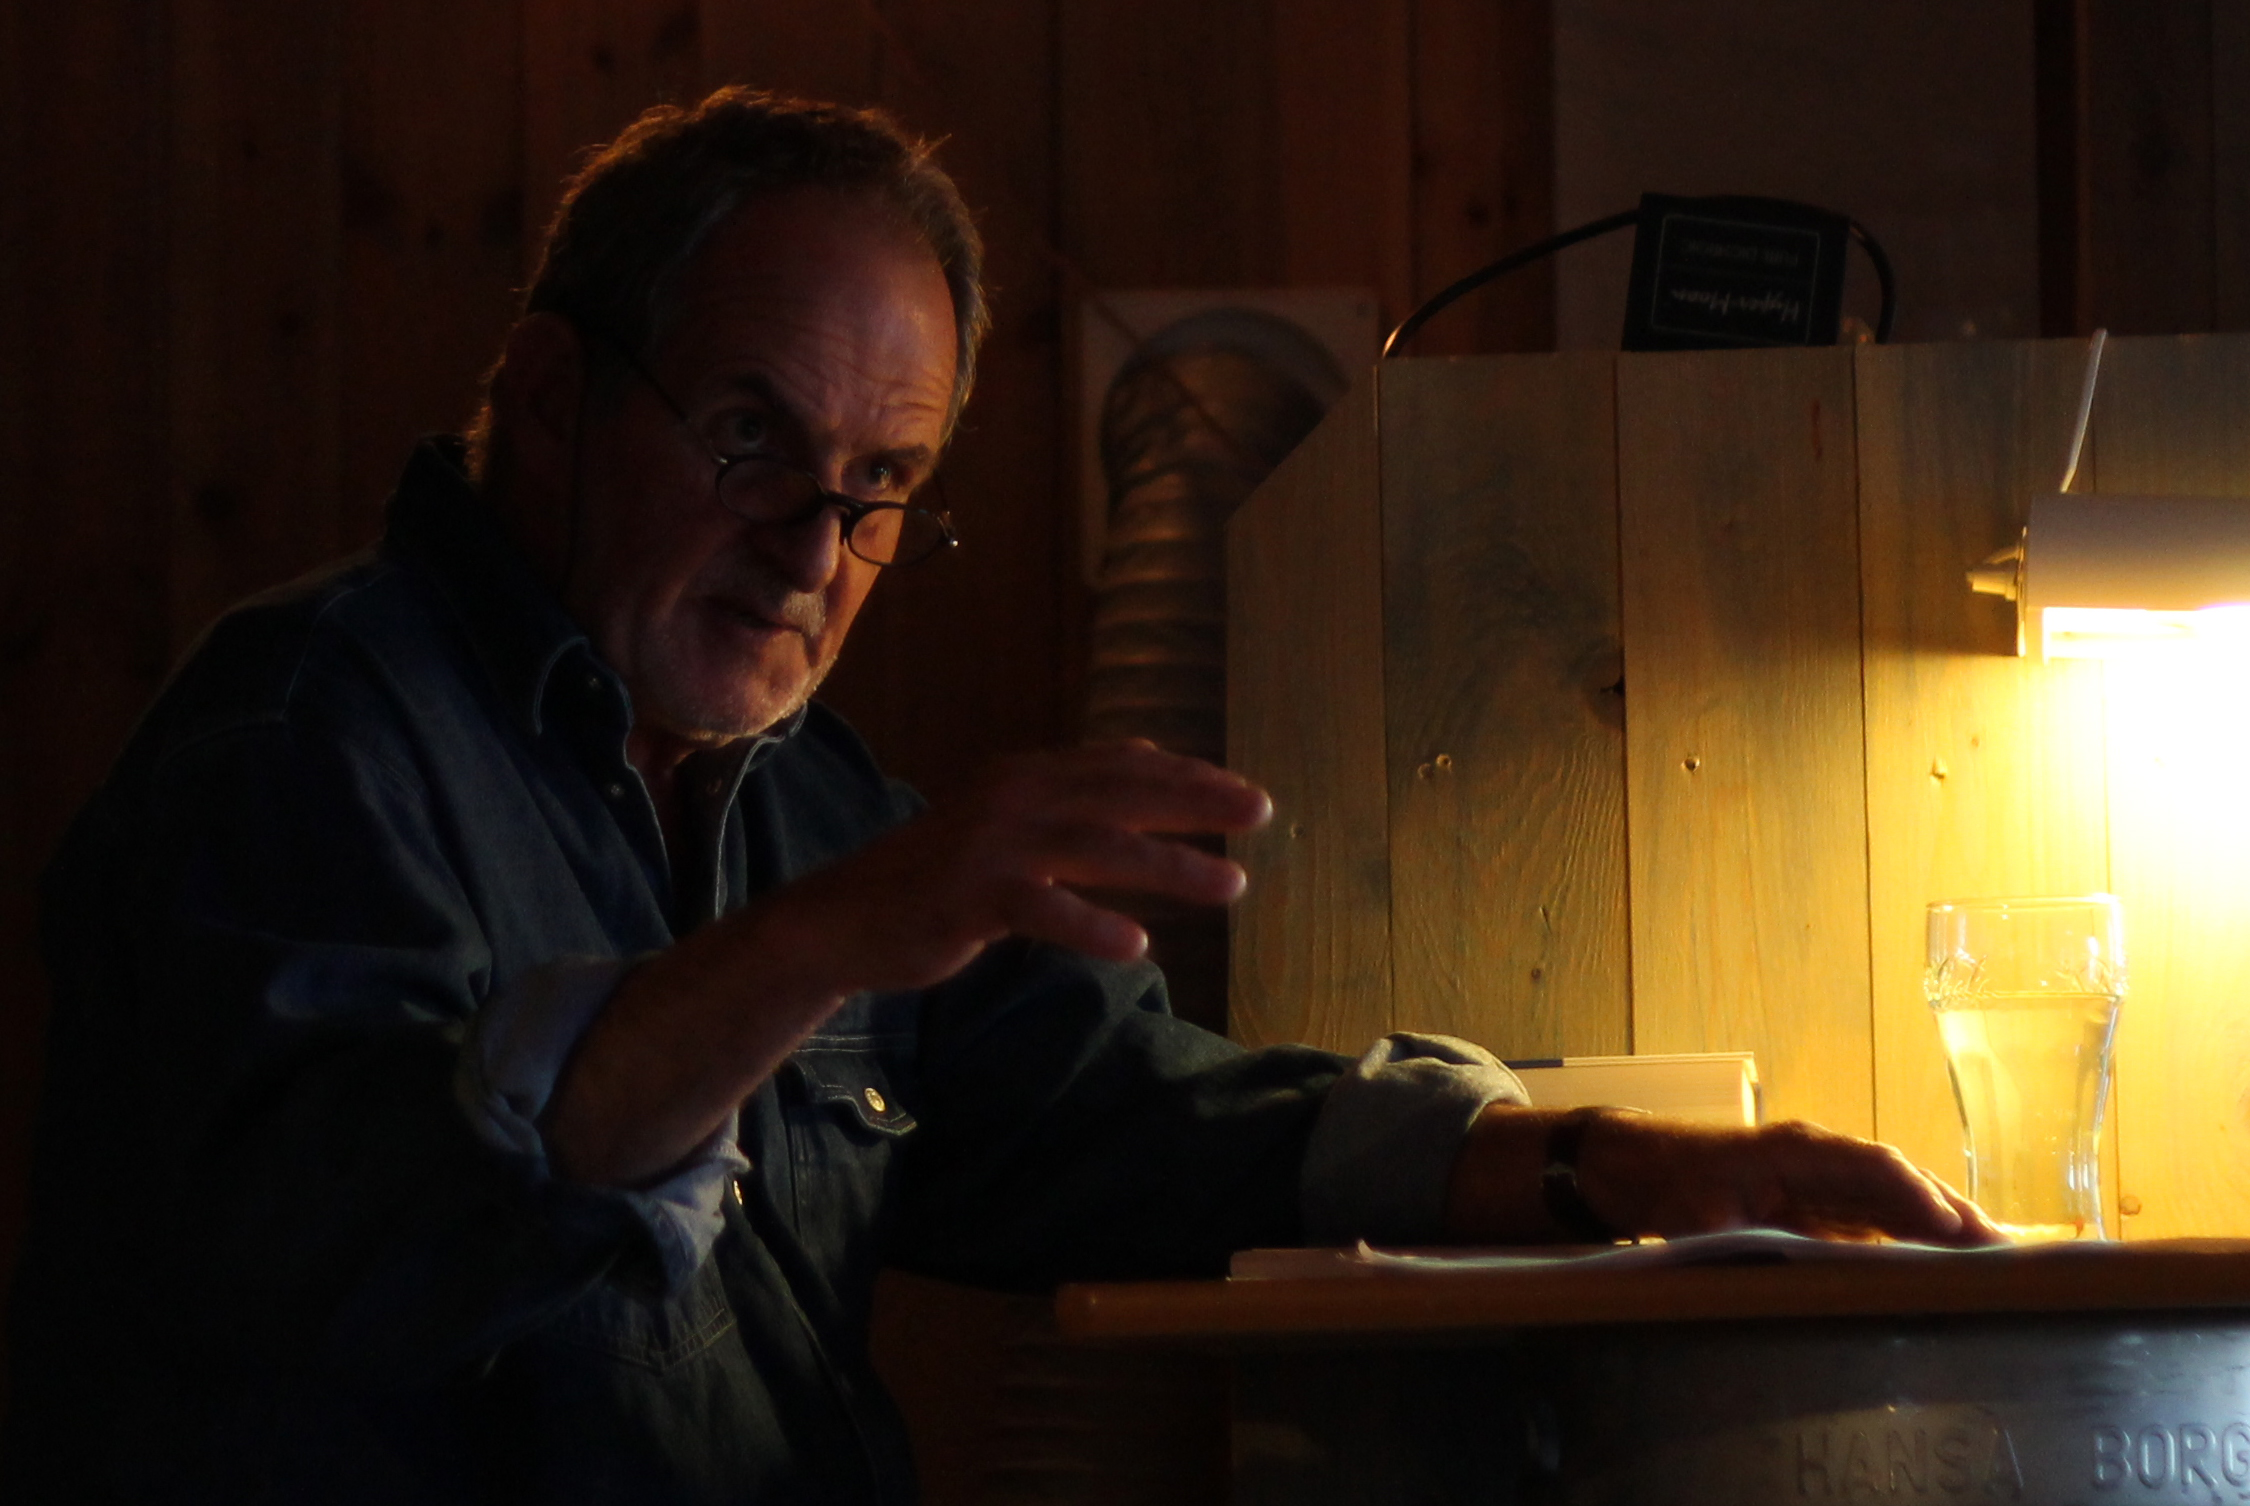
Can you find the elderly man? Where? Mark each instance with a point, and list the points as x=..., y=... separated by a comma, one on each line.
x=503, y=1022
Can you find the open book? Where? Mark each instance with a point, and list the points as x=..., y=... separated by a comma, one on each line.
x=1742, y=1247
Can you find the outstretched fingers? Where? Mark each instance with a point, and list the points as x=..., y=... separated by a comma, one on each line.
x=1012, y=854
x=1135, y=786
x=1051, y=913
x=1108, y=857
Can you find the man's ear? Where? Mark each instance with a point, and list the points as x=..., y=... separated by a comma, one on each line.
x=537, y=393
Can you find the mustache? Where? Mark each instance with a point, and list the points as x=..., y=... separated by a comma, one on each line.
x=775, y=600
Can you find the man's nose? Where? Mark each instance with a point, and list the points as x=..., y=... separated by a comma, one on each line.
x=805, y=553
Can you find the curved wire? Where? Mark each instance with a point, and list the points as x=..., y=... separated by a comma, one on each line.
x=1883, y=279
x=2094, y=348
x=1439, y=301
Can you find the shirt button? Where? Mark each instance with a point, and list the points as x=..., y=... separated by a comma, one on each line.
x=617, y=792
x=874, y=1100
x=594, y=684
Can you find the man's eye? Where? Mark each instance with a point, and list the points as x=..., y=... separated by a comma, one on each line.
x=740, y=432
x=887, y=480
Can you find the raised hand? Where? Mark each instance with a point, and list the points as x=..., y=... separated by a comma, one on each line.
x=1008, y=856
x=694, y=1030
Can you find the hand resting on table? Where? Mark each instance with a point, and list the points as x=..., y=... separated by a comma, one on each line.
x=1643, y=1174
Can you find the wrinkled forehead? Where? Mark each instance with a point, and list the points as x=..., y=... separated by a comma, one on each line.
x=814, y=282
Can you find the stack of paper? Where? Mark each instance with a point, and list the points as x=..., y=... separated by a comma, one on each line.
x=1741, y=1247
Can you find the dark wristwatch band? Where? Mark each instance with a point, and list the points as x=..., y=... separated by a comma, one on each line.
x=1558, y=1181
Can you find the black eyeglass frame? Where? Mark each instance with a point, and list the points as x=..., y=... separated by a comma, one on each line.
x=851, y=511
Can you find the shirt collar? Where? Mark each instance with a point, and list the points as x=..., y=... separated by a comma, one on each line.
x=440, y=525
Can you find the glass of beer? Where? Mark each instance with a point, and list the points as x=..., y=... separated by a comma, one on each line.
x=2026, y=994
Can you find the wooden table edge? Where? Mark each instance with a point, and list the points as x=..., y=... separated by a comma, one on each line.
x=2202, y=1276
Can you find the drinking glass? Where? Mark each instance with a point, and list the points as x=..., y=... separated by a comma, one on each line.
x=2026, y=993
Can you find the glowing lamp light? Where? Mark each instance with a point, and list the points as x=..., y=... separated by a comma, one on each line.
x=2097, y=577
x=2124, y=577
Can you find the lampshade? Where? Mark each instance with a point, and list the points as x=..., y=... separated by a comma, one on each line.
x=2107, y=577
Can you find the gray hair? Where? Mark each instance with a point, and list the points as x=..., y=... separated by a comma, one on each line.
x=634, y=216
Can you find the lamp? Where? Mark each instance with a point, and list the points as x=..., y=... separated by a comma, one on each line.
x=2112, y=577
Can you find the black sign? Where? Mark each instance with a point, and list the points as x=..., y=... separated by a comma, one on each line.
x=1722, y=272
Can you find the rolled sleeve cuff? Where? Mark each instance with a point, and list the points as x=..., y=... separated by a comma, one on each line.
x=510, y=1064
x=1383, y=1148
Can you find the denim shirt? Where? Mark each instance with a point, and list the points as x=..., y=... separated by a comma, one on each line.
x=273, y=1259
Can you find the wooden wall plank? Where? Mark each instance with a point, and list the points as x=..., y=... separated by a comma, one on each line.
x=254, y=229
x=590, y=67
x=2169, y=420
x=2149, y=93
x=18, y=527
x=15, y=375
x=1484, y=167
x=833, y=52
x=2230, y=164
x=1745, y=784
x=84, y=636
x=1984, y=771
x=1311, y=940
x=1344, y=147
x=21, y=987
x=1506, y=724
x=2065, y=224
x=432, y=227
x=1166, y=143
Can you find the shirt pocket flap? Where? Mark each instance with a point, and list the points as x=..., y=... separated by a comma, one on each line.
x=852, y=1083
x=648, y=1327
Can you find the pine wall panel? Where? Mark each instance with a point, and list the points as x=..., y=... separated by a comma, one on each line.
x=253, y=258
x=1824, y=730
x=434, y=186
x=1504, y=708
x=1985, y=774
x=1739, y=534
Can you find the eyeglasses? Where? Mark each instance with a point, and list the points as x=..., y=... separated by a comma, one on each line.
x=765, y=489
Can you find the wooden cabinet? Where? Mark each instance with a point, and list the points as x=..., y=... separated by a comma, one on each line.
x=1637, y=702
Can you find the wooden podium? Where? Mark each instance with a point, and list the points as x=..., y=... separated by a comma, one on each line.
x=1637, y=703
x=2049, y=1375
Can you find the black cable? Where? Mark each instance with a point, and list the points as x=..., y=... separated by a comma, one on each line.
x=1445, y=298
x=1874, y=250
x=1440, y=301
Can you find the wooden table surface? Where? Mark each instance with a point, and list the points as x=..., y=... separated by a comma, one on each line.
x=2162, y=1275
